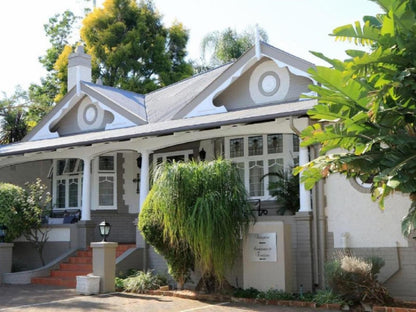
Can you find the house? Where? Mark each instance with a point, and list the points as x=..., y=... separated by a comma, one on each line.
x=96, y=148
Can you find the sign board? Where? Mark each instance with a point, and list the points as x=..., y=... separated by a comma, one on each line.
x=262, y=247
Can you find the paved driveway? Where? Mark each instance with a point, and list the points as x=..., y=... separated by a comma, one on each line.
x=37, y=298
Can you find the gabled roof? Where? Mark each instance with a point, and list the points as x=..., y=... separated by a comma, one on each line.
x=165, y=103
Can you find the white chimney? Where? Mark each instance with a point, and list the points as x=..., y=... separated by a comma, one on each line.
x=79, y=68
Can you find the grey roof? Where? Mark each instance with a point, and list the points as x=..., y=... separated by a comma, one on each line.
x=162, y=128
x=164, y=103
x=127, y=100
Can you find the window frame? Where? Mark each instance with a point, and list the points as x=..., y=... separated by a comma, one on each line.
x=104, y=174
x=288, y=157
x=66, y=176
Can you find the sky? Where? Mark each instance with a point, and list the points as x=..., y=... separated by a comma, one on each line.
x=295, y=26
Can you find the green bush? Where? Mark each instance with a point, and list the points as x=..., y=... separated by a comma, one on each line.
x=140, y=282
x=12, y=202
x=246, y=293
x=275, y=294
x=326, y=296
x=354, y=279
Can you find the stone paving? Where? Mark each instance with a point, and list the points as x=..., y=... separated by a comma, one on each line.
x=36, y=298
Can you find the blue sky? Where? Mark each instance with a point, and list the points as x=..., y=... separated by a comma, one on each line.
x=296, y=26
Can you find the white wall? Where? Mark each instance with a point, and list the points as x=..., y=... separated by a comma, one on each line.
x=353, y=212
x=131, y=198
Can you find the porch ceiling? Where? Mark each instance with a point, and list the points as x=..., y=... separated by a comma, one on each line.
x=260, y=114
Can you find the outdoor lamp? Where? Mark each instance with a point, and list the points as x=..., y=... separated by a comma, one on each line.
x=105, y=228
x=3, y=232
x=202, y=154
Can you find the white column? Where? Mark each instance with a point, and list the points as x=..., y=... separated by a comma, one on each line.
x=86, y=191
x=304, y=195
x=144, y=178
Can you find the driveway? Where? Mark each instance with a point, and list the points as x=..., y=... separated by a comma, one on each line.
x=37, y=298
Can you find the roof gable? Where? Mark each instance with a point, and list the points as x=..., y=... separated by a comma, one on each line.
x=290, y=80
x=94, y=108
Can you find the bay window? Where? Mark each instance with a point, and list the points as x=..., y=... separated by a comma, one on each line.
x=258, y=155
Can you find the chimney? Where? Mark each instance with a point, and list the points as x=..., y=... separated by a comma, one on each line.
x=79, y=68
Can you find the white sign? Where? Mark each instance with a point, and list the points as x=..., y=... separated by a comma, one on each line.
x=262, y=247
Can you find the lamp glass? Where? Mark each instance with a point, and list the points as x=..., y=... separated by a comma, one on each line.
x=105, y=228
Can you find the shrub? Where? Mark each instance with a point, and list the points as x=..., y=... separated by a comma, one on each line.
x=325, y=296
x=246, y=293
x=12, y=202
x=275, y=294
x=354, y=279
x=140, y=282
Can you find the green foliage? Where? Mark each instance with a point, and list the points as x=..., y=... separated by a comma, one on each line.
x=276, y=294
x=140, y=282
x=325, y=296
x=246, y=293
x=354, y=279
x=284, y=187
x=12, y=201
x=202, y=206
x=367, y=106
x=228, y=45
x=132, y=49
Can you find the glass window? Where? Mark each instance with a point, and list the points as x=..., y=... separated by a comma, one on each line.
x=255, y=145
x=274, y=166
x=237, y=147
x=295, y=140
x=73, y=192
x=256, y=173
x=274, y=143
x=60, y=193
x=106, y=163
x=60, y=167
x=106, y=191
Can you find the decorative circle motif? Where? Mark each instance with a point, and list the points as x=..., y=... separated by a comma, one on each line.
x=269, y=83
x=90, y=114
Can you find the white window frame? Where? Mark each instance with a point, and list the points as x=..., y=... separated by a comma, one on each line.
x=164, y=156
x=288, y=156
x=97, y=173
x=66, y=176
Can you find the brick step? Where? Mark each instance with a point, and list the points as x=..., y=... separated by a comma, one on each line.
x=80, y=264
x=75, y=267
x=68, y=274
x=55, y=281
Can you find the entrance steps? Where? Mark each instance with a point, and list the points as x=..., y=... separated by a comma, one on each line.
x=80, y=264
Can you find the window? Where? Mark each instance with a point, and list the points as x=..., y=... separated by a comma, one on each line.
x=107, y=181
x=173, y=156
x=67, y=183
x=67, y=188
x=256, y=156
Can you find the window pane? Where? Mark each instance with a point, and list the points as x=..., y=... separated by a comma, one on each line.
x=295, y=140
x=60, y=166
x=255, y=145
x=256, y=172
x=237, y=147
x=274, y=143
x=106, y=191
x=70, y=165
x=60, y=194
x=274, y=166
x=176, y=158
x=73, y=192
x=240, y=167
x=106, y=163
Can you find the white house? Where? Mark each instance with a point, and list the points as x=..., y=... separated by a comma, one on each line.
x=96, y=147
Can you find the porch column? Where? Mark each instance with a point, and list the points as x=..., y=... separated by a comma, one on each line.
x=86, y=190
x=144, y=178
x=304, y=195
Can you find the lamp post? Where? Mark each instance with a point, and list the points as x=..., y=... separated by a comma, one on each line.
x=3, y=232
x=105, y=228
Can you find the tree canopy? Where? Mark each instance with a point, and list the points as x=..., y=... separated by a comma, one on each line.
x=367, y=106
x=228, y=45
x=201, y=209
x=132, y=49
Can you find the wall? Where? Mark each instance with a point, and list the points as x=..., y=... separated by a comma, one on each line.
x=27, y=172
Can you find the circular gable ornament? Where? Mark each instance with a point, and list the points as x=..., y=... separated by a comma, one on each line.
x=269, y=83
x=90, y=115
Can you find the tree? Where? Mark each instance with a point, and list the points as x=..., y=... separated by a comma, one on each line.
x=14, y=123
x=131, y=49
x=201, y=206
x=367, y=107
x=228, y=45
